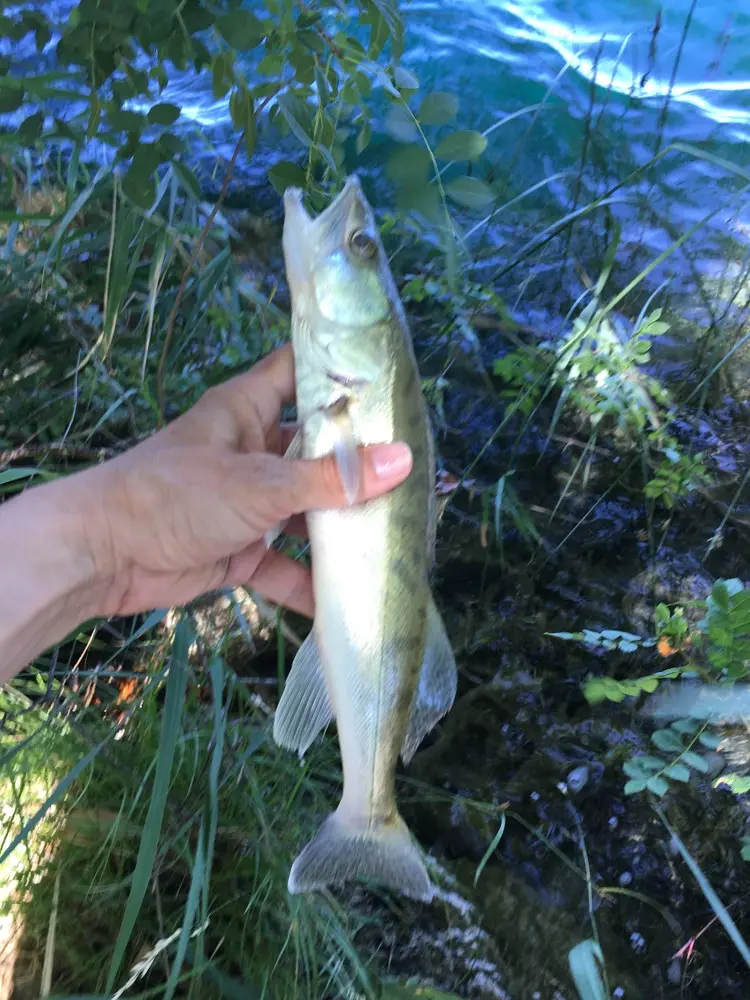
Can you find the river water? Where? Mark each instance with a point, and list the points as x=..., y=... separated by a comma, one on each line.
x=618, y=79
x=615, y=79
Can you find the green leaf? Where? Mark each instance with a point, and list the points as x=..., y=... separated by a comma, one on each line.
x=188, y=178
x=737, y=783
x=363, y=138
x=409, y=166
x=169, y=145
x=11, y=95
x=655, y=763
x=399, y=124
x=405, y=79
x=438, y=108
x=125, y=121
x=138, y=183
x=461, y=145
x=710, y=740
x=720, y=595
x=296, y=115
x=241, y=29
x=685, y=726
x=491, y=849
x=221, y=74
x=243, y=116
x=678, y=771
x=667, y=739
x=635, y=785
x=657, y=785
x=470, y=192
x=695, y=760
x=633, y=768
x=30, y=128
x=163, y=114
x=285, y=174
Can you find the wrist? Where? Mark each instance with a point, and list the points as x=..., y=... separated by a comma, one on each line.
x=50, y=571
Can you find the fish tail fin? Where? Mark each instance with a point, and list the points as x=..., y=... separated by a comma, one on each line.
x=346, y=847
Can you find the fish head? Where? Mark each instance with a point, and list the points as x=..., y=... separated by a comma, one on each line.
x=341, y=285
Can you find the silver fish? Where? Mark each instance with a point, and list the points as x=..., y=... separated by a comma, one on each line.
x=377, y=659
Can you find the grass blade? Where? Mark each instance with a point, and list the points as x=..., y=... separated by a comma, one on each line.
x=491, y=849
x=705, y=886
x=198, y=882
x=170, y=731
x=585, y=962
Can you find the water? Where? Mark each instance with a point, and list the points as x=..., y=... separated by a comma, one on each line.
x=495, y=52
x=618, y=78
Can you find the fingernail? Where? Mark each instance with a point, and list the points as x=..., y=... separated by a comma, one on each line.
x=390, y=461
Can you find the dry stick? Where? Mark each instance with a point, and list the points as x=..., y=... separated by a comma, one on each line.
x=186, y=275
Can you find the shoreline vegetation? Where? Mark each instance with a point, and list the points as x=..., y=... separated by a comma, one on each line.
x=583, y=348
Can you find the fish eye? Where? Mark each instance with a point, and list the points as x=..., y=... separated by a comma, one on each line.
x=362, y=244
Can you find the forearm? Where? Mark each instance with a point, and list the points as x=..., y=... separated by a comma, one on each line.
x=47, y=572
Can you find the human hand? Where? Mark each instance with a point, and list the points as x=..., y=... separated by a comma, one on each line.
x=185, y=511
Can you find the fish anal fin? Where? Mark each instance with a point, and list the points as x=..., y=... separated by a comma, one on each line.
x=304, y=709
x=436, y=689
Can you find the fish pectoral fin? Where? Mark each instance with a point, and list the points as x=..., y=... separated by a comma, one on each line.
x=341, y=431
x=347, y=847
x=436, y=689
x=304, y=709
x=294, y=451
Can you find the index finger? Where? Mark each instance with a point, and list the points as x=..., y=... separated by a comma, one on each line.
x=237, y=413
x=259, y=394
x=269, y=384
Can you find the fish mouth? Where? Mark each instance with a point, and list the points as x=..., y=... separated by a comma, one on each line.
x=349, y=206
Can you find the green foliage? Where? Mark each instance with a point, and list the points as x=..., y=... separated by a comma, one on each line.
x=725, y=629
x=599, y=363
x=715, y=646
x=651, y=771
x=598, y=689
x=598, y=368
x=120, y=55
x=676, y=475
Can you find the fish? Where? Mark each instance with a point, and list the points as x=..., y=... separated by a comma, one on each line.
x=378, y=660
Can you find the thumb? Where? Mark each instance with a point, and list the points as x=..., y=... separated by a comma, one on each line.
x=316, y=483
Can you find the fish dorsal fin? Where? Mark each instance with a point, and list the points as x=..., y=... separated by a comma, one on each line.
x=436, y=690
x=305, y=707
